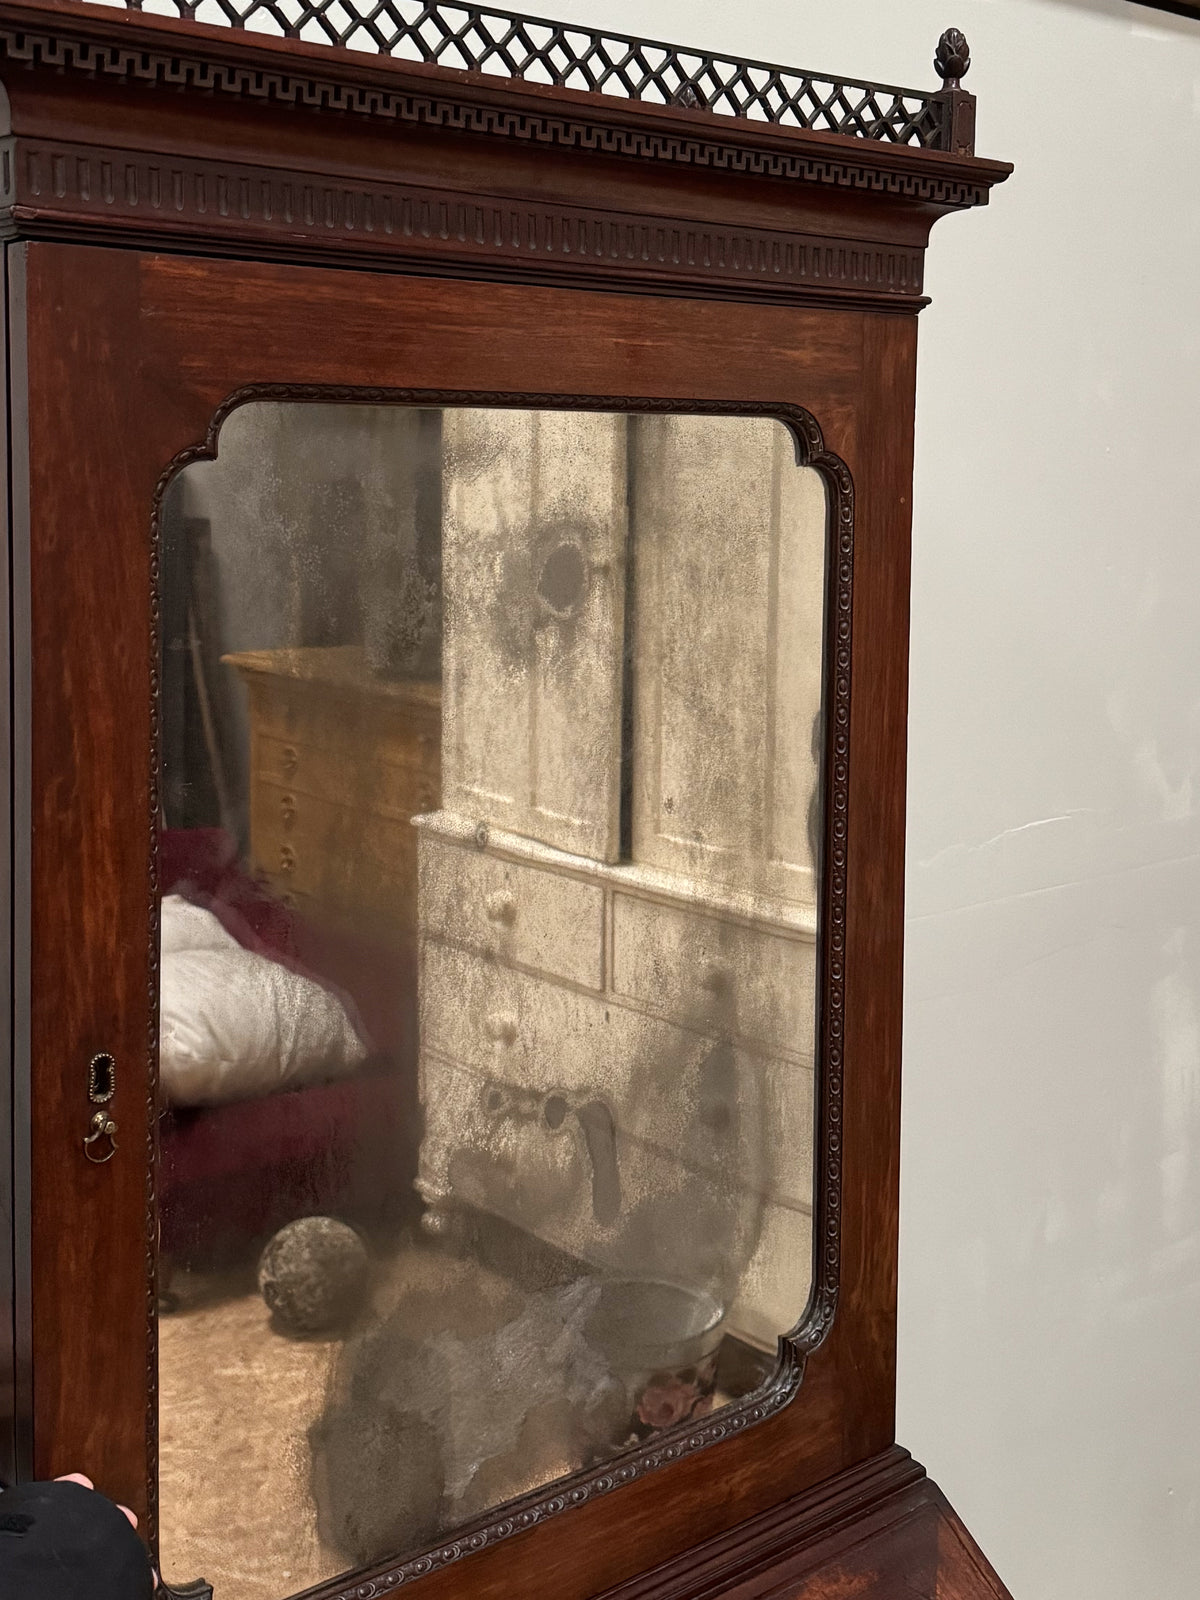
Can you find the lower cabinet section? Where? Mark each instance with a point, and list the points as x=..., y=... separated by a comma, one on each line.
x=881, y=1531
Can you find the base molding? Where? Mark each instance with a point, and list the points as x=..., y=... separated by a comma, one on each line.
x=881, y=1531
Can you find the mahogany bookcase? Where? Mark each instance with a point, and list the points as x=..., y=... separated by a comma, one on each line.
x=195, y=215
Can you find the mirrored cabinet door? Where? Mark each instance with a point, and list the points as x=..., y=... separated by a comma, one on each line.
x=490, y=875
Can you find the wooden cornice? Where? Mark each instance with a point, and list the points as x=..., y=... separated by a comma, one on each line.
x=134, y=129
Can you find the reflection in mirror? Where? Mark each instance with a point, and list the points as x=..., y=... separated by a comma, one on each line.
x=490, y=810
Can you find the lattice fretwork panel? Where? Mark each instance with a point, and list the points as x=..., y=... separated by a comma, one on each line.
x=478, y=39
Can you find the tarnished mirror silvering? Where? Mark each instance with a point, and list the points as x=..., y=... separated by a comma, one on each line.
x=489, y=865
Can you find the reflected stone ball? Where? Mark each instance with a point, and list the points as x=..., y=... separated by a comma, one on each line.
x=314, y=1275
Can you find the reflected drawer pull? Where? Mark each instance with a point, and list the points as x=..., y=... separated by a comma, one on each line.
x=716, y=977
x=501, y=907
x=287, y=810
x=501, y=1029
x=289, y=760
x=287, y=858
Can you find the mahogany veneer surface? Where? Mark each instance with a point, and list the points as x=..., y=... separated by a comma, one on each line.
x=883, y=1531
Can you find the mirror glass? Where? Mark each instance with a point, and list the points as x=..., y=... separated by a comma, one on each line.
x=490, y=748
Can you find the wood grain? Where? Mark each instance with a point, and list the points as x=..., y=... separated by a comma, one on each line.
x=135, y=355
x=882, y=1531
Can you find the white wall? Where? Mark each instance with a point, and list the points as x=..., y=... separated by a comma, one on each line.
x=1050, y=1288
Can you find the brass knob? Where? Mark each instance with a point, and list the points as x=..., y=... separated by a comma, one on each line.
x=501, y=1029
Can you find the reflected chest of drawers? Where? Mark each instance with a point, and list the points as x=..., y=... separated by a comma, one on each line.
x=340, y=761
x=602, y=1044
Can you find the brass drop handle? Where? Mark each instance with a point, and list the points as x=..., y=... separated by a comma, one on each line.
x=715, y=976
x=103, y=1127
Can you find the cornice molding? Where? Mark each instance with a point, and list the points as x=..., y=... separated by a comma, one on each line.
x=804, y=230
x=57, y=188
x=162, y=53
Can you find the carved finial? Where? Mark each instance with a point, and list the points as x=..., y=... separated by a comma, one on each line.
x=689, y=97
x=952, y=57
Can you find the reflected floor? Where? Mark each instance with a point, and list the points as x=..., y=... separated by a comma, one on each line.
x=237, y=1399
x=236, y=1402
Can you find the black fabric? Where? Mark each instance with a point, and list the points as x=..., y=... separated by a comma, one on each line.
x=60, y=1541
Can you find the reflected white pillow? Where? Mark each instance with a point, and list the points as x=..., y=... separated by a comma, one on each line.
x=234, y=1025
x=184, y=926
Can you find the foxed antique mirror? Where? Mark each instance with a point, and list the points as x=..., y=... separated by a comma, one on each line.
x=490, y=908
x=460, y=471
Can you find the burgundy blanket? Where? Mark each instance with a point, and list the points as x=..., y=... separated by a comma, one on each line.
x=230, y=1175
